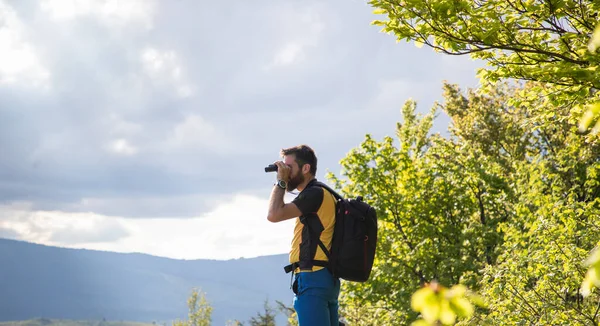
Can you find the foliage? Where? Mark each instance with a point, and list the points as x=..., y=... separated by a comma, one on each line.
x=539, y=40
x=267, y=318
x=507, y=205
x=592, y=277
x=523, y=153
x=536, y=276
x=289, y=312
x=440, y=305
x=551, y=42
x=200, y=310
x=593, y=110
x=234, y=322
x=428, y=195
x=590, y=117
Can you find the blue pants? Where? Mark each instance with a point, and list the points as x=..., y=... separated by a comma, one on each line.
x=316, y=302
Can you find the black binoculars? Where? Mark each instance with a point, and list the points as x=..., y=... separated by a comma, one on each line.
x=271, y=168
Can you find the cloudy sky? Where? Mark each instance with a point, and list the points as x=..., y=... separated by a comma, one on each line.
x=144, y=125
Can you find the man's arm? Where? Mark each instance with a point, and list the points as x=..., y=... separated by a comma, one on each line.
x=278, y=210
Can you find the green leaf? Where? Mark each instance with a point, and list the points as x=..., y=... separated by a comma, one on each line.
x=446, y=314
x=426, y=301
x=594, y=258
x=591, y=114
x=592, y=279
x=462, y=307
x=421, y=322
x=594, y=40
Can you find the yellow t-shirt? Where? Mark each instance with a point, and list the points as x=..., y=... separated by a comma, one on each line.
x=317, y=205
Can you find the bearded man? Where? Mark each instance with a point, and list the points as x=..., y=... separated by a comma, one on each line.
x=316, y=290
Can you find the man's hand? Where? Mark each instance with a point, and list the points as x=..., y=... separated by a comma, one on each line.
x=283, y=171
x=278, y=210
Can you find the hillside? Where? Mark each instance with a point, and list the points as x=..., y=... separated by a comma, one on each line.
x=65, y=322
x=58, y=283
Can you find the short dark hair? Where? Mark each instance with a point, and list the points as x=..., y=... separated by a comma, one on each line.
x=303, y=155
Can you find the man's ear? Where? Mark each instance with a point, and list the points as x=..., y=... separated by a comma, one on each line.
x=305, y=168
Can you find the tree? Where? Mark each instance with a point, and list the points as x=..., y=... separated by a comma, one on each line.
x=592, y=114
x=546, y=41
x=200, y=310
x=507, y=206
x=549, y=44
x=538, y=40
x=428, y=196
x=553, y=227
x=547, y=232
x=289, y=312
x=264, y=319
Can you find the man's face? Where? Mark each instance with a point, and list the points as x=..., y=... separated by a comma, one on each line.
x=296, y=176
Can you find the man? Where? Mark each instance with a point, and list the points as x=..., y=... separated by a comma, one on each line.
x=316, y=290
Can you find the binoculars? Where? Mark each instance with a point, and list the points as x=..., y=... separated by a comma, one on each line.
x=271, y=168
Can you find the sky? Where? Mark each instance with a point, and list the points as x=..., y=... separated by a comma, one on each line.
x=144, y=125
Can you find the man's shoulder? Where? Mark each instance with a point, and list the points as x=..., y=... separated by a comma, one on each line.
x=311, y=193
x=329, y=194
x=329, y=204
x=317, y=184
x=309, y=200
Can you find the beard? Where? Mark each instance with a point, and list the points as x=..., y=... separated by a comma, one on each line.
x=295, y=181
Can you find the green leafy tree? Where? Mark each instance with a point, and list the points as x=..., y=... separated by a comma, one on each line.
x=552, y=46
x=552, y=210
x=436, y=211
x=289, y=312
x=538, y=40
x=507, y=205
x=551, y=42
x=266, y=318
x=200, y=310
x=592, y=113
x=539, y=271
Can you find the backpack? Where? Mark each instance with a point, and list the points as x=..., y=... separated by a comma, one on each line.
x=354, y=239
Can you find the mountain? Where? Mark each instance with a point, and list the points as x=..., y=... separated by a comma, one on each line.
x=38, y=281
x=64, y=322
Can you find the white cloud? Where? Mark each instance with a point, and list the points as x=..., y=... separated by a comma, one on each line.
x=120, y=129
x=110, y=12
x=393, y=93
x=169, y=204
x=59, y=228
x=123, y=147
x=288, y=54
x=19, y=62
x=182, y=101
x=235, y=228
x=89, y=229
x=195, y=132
x=302, y=31
x=165, y=68
x=120, y=126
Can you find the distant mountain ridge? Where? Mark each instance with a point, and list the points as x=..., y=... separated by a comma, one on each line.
x=59, y=283
x=65, y=322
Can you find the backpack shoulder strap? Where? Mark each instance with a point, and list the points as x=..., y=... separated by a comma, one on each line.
x=292, y=267
x=335, y=194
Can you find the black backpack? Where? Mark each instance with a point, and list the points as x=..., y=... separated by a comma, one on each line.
x=354, y=239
